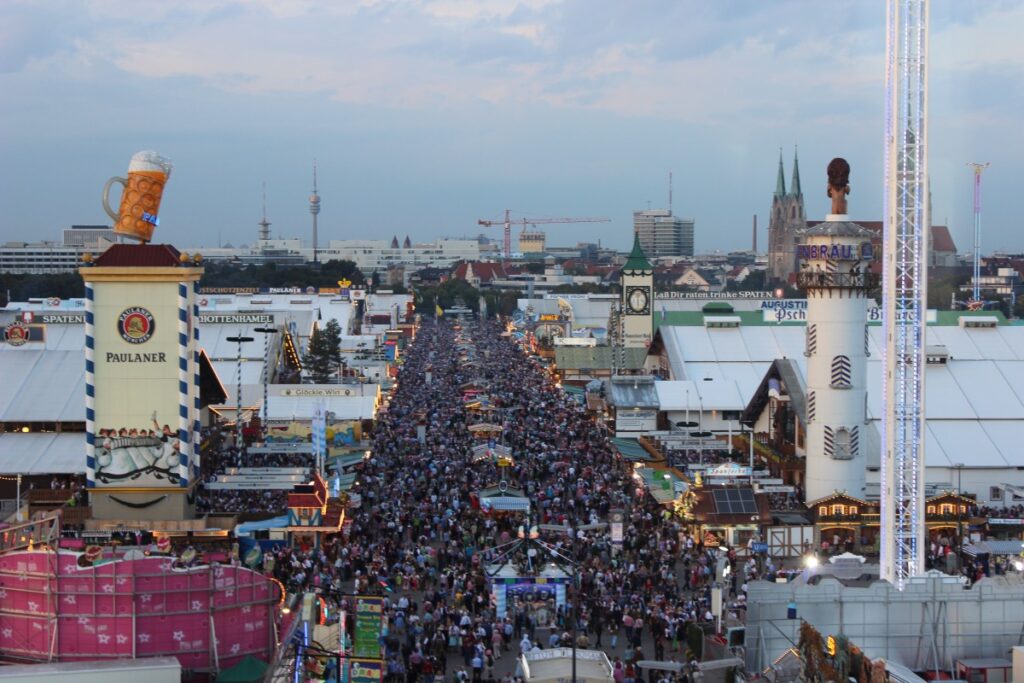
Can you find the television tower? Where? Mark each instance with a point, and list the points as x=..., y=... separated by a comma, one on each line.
x=976, y=289
x=314, y=208
x=264, y=224
x=904, y=291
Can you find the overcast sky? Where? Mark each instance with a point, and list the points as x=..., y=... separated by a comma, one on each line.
x=427, y=115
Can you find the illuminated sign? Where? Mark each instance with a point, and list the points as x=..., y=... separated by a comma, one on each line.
x=728, y=469
x=236, y=318
x=835, y=252
x=320, y=391
x=62, y=318
x=228, y=290
x=715, y=295
x=365, y=670
x=830, y=646
x=549, y=316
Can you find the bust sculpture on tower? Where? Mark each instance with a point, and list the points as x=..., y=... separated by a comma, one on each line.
x=838, y=184
x=835, y=270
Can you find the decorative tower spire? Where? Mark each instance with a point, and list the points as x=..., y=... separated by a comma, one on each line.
x=795, y=185
x=264, y=224
x=314, y=208
x=780, y=184
x=637, y=261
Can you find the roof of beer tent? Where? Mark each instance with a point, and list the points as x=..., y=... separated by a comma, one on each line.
x=302, y=407
x=42, y=453
x=42, y=385
x=49, y=385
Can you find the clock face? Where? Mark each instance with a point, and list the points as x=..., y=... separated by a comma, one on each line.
x=638, y=300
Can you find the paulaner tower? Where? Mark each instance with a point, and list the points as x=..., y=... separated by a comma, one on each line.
x=835, y=271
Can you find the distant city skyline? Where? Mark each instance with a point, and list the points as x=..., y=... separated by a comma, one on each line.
x=425, y=116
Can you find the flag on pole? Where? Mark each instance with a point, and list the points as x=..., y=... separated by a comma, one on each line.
x=319, y=433
x=439, y=312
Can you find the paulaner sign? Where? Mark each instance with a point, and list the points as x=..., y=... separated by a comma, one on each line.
x=835, y=252
x=156, y=357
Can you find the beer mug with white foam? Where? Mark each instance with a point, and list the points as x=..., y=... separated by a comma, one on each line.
x=140, y=200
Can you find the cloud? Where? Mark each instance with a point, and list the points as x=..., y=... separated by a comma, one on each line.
x=544, y=104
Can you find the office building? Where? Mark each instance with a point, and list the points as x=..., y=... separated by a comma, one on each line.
x=663, y=234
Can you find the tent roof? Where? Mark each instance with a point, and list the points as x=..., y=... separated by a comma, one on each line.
x=249, y=670
x=42, y=453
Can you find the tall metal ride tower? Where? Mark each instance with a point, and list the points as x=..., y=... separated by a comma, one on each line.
x=976, y=279
x=314, y=208
x=904, y=290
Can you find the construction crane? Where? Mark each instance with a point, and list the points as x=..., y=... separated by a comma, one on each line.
x=507, y=224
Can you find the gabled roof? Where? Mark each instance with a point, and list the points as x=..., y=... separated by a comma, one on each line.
x=597, y=357
x=942, y=240
x=840, y=495
x=782, y=370
x=312, y=495
x=481, y=270
x=633, y=392
x=140, y=255
x=637, y=263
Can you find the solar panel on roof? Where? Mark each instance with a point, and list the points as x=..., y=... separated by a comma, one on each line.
x=735, y=502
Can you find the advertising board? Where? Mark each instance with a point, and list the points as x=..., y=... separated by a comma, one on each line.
x=138, y=394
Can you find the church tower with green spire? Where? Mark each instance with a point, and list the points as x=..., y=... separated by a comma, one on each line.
x=637, y=298
x=787, y=219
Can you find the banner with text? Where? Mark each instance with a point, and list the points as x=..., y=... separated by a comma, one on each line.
x=369, y=623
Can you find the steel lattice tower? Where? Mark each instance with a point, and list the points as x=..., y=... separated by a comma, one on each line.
x=905, y=288
x=976, y=276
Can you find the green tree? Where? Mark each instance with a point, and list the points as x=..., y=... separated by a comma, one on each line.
x=755, y=282
x=323, y=356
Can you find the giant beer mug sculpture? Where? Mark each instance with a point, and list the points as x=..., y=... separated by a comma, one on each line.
x=140, y=200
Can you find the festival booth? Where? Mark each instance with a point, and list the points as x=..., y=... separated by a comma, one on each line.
x=485, y=430
x=540, y=596
x=500, y=499
x=312, y=511
x=555, y=665
x=851, y=520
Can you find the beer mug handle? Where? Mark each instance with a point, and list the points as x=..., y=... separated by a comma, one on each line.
x=106, y=195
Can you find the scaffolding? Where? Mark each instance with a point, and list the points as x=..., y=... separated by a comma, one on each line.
x=58, y=606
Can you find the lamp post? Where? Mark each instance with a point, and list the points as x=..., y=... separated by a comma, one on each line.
x=685, y=424
x=267, y=331
x=239, y=339
x=959, y=519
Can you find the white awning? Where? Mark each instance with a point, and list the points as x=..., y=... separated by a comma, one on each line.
x=47, y=453
x=505, y=503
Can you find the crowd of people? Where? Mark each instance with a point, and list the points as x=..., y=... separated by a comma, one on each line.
x=421, y=539
x=220, y=454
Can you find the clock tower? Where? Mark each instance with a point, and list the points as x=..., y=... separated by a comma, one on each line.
x=637, y=298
